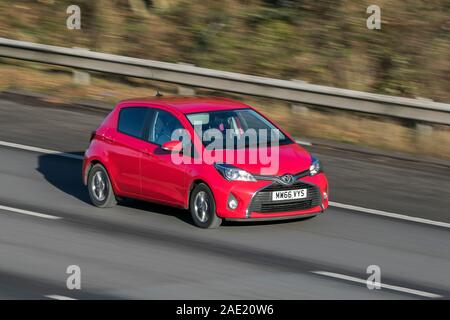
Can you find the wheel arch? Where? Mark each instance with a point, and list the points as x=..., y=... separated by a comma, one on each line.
x=89, y=167
x=192, y=186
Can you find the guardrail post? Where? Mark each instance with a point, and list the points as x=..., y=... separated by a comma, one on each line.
x=299, y=108
x=81, y=77
x=185, y=90
x=423, y=133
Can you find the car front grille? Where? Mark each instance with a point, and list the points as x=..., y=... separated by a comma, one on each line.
x=262, y=201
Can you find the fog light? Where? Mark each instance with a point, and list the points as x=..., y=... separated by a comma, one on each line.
x=325, y=196
x=232, y=202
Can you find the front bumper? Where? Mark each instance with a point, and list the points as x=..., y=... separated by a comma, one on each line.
x=254, y=200
x=288, y=217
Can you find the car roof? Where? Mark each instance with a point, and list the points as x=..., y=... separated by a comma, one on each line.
x=190, y=104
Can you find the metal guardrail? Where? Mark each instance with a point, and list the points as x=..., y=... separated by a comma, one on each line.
x=294, y=91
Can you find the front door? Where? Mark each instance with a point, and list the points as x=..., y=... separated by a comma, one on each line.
x=162, y=179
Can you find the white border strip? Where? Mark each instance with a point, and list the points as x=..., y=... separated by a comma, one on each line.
x=29, y=213
x=389, y=214
x=40, y=150
x=58, y=297
x=382, y=285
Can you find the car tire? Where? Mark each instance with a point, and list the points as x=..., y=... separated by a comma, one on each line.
x=100, y=188
x=203, y=208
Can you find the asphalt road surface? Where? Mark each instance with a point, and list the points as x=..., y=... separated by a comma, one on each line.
x=146, y=251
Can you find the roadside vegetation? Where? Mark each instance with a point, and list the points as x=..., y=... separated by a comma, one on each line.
x=322, y=42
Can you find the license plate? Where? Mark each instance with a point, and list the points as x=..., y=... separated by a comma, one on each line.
x=289, y=194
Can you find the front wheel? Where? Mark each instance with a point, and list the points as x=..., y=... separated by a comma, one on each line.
x=100, y=188
x=203, y=208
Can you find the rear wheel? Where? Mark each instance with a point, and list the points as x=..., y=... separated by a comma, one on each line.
x=100, y=188
x=203, y=208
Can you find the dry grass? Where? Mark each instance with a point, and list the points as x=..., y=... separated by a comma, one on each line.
x=58, y=83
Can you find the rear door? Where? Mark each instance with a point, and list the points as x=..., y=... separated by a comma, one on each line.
x=129, y=141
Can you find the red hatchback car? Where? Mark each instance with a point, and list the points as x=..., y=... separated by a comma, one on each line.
x=217, y=157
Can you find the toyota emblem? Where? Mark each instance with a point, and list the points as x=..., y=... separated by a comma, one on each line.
x=287, y=179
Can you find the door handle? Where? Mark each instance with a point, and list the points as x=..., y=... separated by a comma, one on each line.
x=147, y=152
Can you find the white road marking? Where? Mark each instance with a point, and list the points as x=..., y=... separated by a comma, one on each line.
x=389, y=214
x=386, y=286
x=40, y=150
x=58, y=297
x=29, y=213
x=333, y=204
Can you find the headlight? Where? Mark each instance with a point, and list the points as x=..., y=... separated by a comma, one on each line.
x=232, y=173
x=316, y=166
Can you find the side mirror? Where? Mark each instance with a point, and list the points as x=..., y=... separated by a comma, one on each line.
x=174, y=146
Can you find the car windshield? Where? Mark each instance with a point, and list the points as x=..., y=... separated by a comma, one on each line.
x=235, y=129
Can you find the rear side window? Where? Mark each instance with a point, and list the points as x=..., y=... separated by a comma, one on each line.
x=132, y=121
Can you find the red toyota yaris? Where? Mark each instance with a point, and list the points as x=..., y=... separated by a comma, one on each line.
x=217, y=157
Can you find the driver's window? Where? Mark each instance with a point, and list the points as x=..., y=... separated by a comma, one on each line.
x=162, y=127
